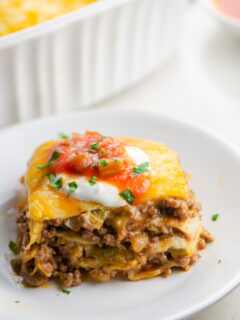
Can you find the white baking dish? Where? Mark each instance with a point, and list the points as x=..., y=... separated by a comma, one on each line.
x=79, y=59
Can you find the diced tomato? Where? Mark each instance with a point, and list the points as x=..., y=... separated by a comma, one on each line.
x=112, y=168
x=104, y=157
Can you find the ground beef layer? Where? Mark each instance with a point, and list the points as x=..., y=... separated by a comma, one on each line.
x=122, y=245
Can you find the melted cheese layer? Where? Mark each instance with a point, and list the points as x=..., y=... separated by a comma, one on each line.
x=167, y=180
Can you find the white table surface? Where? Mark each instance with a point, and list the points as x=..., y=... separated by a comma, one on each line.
x=201, y=84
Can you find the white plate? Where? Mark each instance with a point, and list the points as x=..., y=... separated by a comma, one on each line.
x=215, y=167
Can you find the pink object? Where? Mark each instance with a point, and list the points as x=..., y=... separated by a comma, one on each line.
x=229, y=7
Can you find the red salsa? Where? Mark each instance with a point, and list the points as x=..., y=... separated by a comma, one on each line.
x=99, y=158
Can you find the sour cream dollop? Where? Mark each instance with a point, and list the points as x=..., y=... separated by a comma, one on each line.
x=103, y=192
x=137, y=155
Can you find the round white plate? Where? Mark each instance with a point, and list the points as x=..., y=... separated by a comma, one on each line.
x=215, y=167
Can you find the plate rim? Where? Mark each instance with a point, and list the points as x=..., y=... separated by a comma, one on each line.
x=191, y=124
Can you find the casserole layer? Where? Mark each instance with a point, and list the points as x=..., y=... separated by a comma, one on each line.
x=71, y=240
x=22, y=14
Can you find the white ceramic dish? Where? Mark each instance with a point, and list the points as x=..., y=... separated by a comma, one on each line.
x=215, y=167
x=230, y=23
x=83, y=57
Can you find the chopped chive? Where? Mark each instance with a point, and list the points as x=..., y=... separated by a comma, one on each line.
x=100, y=153
x=72, y=187
x=215, y=217
x=143, y=167
x=128, y=196
x=103, y=137
x=56, y=184
x=94, y=147
x=13, y=248
x=54, y=157
x=51, y=176
x=17, y=301
x=92, y=181
x=64, y=136
x=95, y=166
x=192, y=192
x=46, y=175
x=117, y=160
x=103, y=163
x=66, y=291
x=219, y=261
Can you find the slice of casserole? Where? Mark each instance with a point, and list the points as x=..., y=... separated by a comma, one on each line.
x=99, y=207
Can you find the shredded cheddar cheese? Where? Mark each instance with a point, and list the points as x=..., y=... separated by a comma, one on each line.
x=16, y=15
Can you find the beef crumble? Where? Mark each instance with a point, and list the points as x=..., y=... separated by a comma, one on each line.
x=67, y=261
